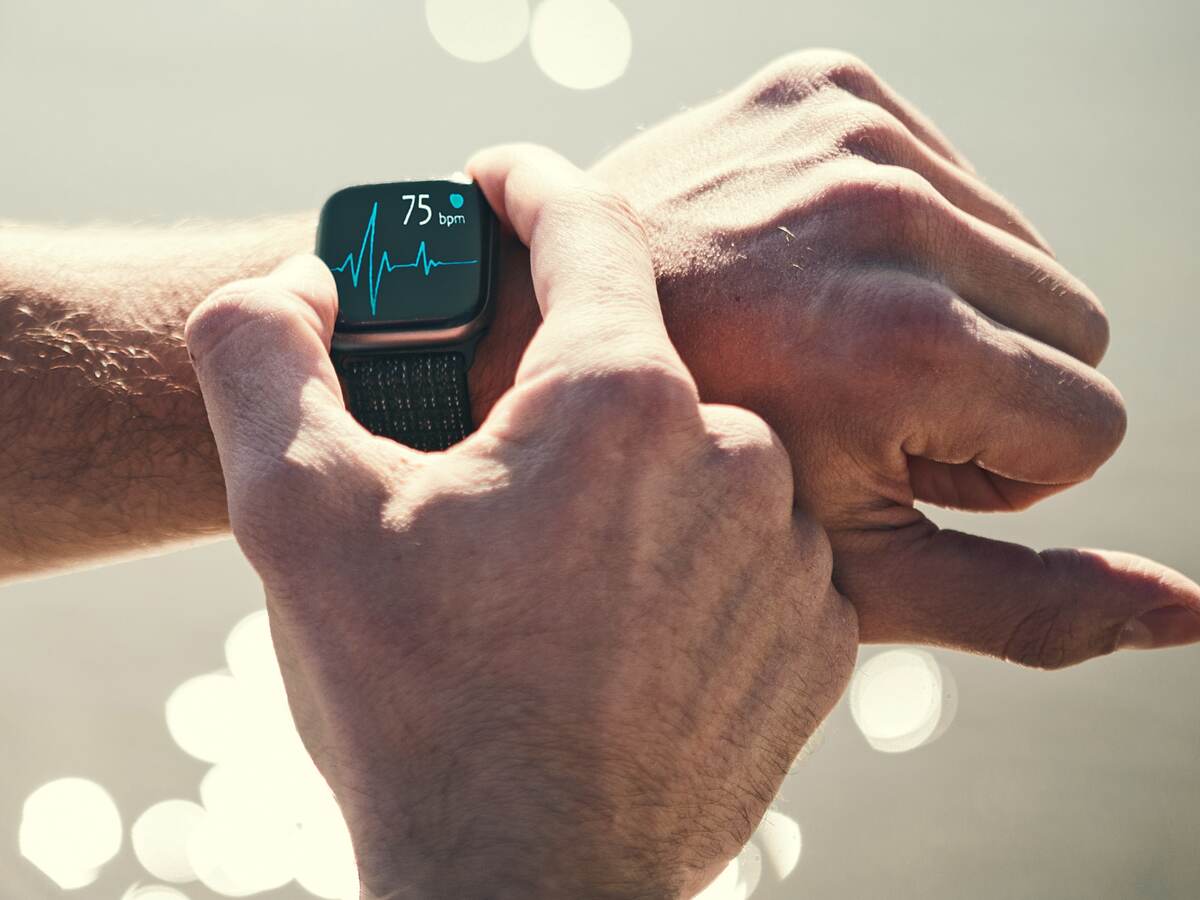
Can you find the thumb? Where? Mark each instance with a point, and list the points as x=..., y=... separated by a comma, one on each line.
x=1048, y=610
x=260, y=348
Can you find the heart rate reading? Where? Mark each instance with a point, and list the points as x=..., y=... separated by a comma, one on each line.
x=423, y=262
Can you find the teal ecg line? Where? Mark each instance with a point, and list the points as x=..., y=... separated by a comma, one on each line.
x=375, y=273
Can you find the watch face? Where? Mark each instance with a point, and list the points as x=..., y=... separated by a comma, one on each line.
x=405, y=255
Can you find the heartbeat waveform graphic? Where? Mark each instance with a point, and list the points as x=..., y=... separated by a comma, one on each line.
x=376, y=272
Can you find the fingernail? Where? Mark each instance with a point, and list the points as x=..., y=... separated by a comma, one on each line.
x=1169, y=626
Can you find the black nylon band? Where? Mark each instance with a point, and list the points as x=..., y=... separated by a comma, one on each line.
x=418, y=399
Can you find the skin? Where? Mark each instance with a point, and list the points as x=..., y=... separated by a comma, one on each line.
x=910, y=336
x=106, y=450
x=498, y=715
x=824, y=258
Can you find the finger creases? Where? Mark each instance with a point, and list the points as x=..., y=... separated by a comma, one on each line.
x=1046, y=609
x=949, y=385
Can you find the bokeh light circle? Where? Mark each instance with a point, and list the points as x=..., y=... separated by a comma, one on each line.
x=897, y=699
x=739, y=879
x=325, y=863
x=581, y=44
x=268, y=816
x=249, y=651
x=726, y=886
x=251, y=657
x=69, y=829
x=779, y=836
x=160, y=837
x=239, y=853
x=750, y=867
x=206, y=716
x=153, y=892
x=478, y=30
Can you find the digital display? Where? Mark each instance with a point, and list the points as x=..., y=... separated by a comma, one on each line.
x=412, y=253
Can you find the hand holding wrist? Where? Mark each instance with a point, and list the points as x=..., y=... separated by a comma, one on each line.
x=492, y=651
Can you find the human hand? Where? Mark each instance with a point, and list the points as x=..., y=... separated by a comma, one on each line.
x=827, y=259
x=574, y=655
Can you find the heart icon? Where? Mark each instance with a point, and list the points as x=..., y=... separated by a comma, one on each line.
x=456, y=200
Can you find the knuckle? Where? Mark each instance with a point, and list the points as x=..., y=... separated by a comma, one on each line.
x=593, y=202
x=916, y=326
x=845, y=70
x=227, y=309
x=646, y=392
x=870, y=131
x=221, y=312
x=634, y=398
x=797, y=76
x=750, y=455
x=901, y=188
x=1037, y=642
x=785, y=81
x=1055, y=632
x=891, y=199
x=815, y=548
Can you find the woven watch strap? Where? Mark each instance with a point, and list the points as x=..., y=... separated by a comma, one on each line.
x=418, y=399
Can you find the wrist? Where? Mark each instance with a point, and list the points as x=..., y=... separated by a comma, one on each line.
x=519, y=859
x=509, y=824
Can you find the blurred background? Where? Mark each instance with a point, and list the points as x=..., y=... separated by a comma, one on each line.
x=142, y=730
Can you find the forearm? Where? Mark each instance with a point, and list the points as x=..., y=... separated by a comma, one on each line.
x=105, y=443
x=105, y=448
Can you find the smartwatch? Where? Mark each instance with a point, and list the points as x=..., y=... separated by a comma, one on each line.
x=415, y=265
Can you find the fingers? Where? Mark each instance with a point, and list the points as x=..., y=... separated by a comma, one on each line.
x=1005, y=278
x=967, y=486
x=1048, y=610
x=261, y=352
x=943, y=383
x=875, y=133
x=854, y=76
x=1036, y=415
x=999, y=274
x=590, y=261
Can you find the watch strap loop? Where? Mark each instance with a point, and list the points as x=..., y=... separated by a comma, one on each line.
x=418, y=398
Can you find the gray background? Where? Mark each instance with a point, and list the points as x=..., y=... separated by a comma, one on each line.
x=1082, y=784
